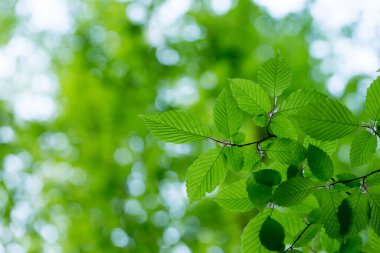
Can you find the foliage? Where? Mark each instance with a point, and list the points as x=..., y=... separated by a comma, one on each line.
x=293, y=166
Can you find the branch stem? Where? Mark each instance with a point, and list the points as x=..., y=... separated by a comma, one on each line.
x=298, y=237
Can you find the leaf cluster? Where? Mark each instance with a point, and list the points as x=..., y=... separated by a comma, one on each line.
x=288, y=175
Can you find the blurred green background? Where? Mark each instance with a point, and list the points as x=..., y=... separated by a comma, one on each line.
x=80, y=172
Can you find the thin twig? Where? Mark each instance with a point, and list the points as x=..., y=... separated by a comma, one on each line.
x=354, y=179
x=229, y=144
x=298, y=237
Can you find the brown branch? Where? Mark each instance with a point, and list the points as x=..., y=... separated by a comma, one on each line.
x=229, y=144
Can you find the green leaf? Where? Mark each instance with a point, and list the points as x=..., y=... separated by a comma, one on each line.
x=234, y=197
x=259, y=194
x=372, y=103
x=290, y=222
x=351, y=245
x=374, y=201
x=285, y=151
x=274, y=75
x=329, y=202
x=298, y=100
x=250, y=241
x=328, y=146
x=251, y=157
x=267, y=177
x=360, y=212
x=363, y=148
x=373, y=180
x=283, y=128
x=320, y=163
x=205, y=174
x=327, y=120
x=227, y=115
x=272, y=235
x=348, y=176
x=293, y=191
x=250, y=97
x=235, y=158
x=176, y=126
x=345, y=217
x=293, y=171
x=373, y=241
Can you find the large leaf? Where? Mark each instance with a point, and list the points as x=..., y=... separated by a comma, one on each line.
x=250, y=240
x=176, y=126
x=285, y=151
x=274, y=75
x=372, y=103
x=320, y=163
x=205, y=174
x=298, y=100
x=363, y=148
x=250, y=97
x=234, y=197
x=272, y=235
x=293, y=191
x=327, y=120
x=374, y=200
x=227, y=115
x=329, y=203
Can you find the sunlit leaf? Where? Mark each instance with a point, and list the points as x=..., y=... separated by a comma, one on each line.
x=285, y=151
x=176, y=126
x=372, y=103
x=227, y=115
x=205, y=174
x=293, y=191
x=274, y=75
x=363, y=148
x=327, y=120
x=234, y=197
x=250, y=97
x=298, y=100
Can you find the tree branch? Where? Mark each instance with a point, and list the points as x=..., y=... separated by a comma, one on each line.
x=229, y=144
x=357, y=178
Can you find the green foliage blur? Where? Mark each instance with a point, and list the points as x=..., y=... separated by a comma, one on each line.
x=104, y=184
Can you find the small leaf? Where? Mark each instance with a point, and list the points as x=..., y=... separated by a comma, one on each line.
x=259, y=194
x=272, y=235
x=363, y=148
x=327, y=120
x=285, y=151
x=298, y=100
x=320, y=163
x=235, y=158
x=250, y=97
x=283, y=128
x=372, y=103
x=261, y=120
x=329, y=202
x=345, y=217
x=293, y=171
x=274, y=75
x=293, y=191
x=227, y=115
x=205, y=174
x=234, y=197
x=267, y=177
x=250, y=241
x=176, y=126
